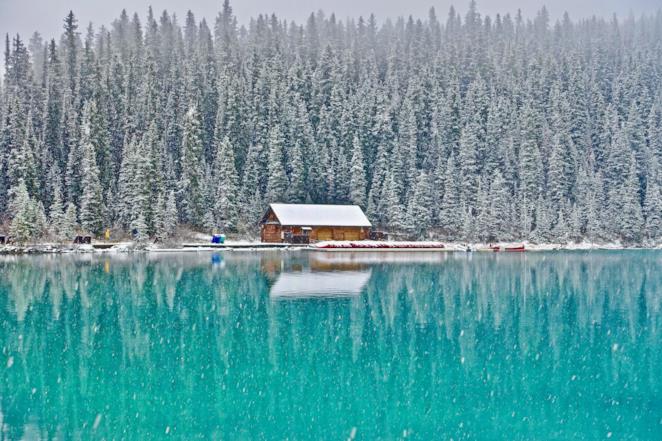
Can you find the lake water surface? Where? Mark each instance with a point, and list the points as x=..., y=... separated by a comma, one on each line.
x=312, y=345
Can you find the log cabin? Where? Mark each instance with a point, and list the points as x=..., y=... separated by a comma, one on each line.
x=305, y=223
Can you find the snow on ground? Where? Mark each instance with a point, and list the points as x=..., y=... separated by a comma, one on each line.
x=475, y=246
x=242, y=242
x=202, y=237
x=537, y=246
x=247, y=245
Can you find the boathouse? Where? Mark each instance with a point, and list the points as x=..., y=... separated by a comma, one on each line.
x=305, y=223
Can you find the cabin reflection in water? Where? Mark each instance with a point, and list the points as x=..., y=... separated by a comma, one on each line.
x=306, y=284
x=310, y=277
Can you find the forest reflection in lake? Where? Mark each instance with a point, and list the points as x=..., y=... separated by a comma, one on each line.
x=306, y=345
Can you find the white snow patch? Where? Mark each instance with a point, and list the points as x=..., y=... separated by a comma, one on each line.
x=97, y=421
x=202, y=236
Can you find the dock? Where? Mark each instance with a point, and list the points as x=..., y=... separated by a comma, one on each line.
x=233, y=246
x=104, y=245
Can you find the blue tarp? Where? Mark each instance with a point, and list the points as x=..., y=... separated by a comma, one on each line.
x=218, y=238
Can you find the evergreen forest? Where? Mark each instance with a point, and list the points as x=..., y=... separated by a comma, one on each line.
x=457, y=126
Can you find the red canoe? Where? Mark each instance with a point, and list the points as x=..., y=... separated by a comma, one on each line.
x=519, y=249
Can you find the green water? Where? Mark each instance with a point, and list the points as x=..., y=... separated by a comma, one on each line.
x=286, y=345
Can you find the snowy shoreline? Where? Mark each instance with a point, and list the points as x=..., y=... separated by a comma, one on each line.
x=338, y=246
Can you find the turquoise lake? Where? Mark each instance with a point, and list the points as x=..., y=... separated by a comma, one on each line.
x=332, y=346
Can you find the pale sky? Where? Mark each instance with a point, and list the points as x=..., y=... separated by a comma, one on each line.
x=26, y=16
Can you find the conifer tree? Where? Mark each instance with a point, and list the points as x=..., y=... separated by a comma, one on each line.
x=500, y=219
x=226, y=194
x=139, y=228
x=69, y=224
x=419, y=210
x=23, y=228
x=630, y=217
x=40, y=219
x=375, y=206
x=358, y=181
x=530, y=172
x=469, y=163
x=52, y=133
x=91, y=203
x=277, y=180
x=297, y=189
x=21, y=165
x=483, y=225
x=393, y=204
x=57, y=214
x=450, y=215
x=159, y=218
x=561, y=170
x=170, y=215
x=542, y=231
x=653, y=209
x=192, y=170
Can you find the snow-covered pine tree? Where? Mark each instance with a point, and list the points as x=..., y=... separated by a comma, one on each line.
x=500, y=218
x=277, y=182
x=561, y=170
x=483, y=219
x=357, y=184
x=40, y=219
x=72, y=142
x=375, y=204
x=254, y=173
x=530, y=173
x=630, y=219
x=393, y=203
x=296, y=191
x=543, y=220
x=159, y=218
x=470, y=144
x=127, y=184
x=69, y=223
x=139, y=228
x=57, y=214
x=91, y=201
x=653, y=203
x=170, y=215
x=419, y=210
x=450, y=215
x=226, y=190
x=23, y=228
x=192, y=169
x=21, y=165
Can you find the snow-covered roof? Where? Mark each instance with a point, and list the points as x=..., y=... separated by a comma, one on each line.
x=310, y=215
x=319, y=284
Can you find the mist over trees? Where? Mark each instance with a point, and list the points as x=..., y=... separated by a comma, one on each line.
x=464, y=127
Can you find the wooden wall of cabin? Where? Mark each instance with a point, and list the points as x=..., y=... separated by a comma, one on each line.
x=274, y=233
x=338, y=233
x=271, y=233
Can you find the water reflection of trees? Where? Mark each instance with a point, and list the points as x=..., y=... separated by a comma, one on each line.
x=103, y=344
